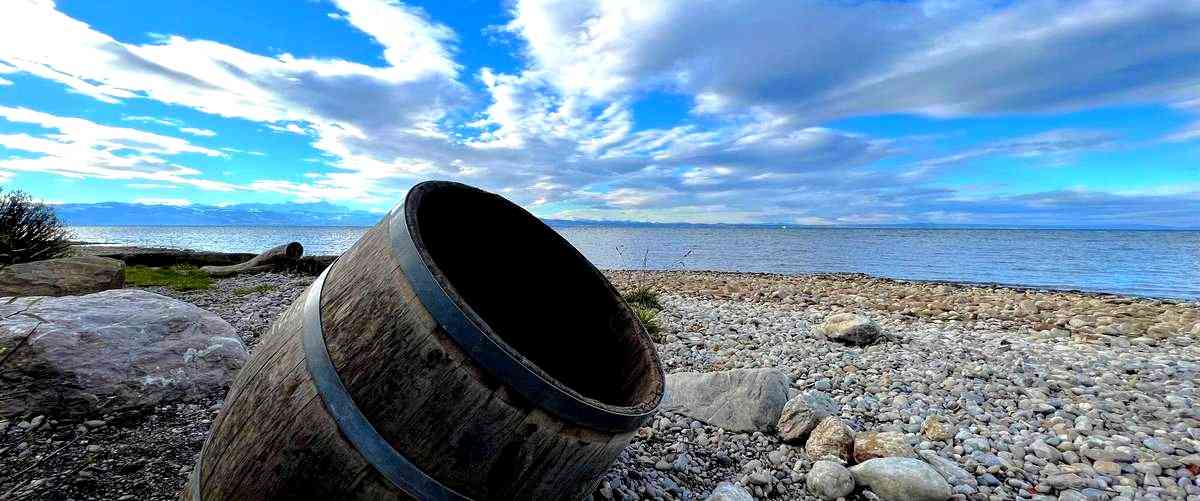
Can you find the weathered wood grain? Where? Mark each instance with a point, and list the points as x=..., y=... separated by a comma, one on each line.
x=425, y=396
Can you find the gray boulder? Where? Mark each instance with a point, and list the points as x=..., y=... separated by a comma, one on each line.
x=726, y=491
x=902, y=479
x=62, y=276
x=802, y=413
x=116, y=350
x=740, y=400
x=850, y=329
x=951, y=471
x=829, y=480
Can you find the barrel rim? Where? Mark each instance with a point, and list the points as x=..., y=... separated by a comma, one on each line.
x=477, y=339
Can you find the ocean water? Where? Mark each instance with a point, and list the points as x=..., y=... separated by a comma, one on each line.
x=1146, y=263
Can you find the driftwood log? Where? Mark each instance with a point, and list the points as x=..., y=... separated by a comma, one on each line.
x=461, y=349
x=158, y=257
x=275, y=258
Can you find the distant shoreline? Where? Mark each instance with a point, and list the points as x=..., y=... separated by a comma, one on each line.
x=207, y=257
x=568, y=223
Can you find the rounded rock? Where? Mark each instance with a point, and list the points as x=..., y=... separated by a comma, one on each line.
x=902, y=479
x=829, y=480
x=884, y=444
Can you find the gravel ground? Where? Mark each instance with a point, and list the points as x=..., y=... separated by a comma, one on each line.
x=143, y=456
x=1044, y=395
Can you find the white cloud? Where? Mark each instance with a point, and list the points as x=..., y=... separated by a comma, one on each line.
x=1051, y=148
x=151, y=186
x=198, y=132
x=340, y=100
x=169, y=122
x=762, y=78
x=822, y=60
x=80, y=148
x=410, y=40
x=1191, y=132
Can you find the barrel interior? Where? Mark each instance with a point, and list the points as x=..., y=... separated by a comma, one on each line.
x=535, y=293
x=294, y=250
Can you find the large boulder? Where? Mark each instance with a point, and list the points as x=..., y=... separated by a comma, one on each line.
x=850, y=329
x=739, y=400
x=116, y=350
x=902, y=479
x=951, y=471
x=65, y=276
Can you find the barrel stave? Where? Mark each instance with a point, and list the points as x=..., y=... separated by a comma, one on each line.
x=430, y=401
x=426, y=396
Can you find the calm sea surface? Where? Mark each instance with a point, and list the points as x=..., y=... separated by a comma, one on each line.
x=1148, y=263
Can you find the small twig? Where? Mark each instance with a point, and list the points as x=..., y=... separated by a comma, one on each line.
x=685, y=255
x=20, y=344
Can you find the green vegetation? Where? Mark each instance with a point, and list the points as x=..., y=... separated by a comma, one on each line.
x=29, y=230
x=647, y=306
x=246, y=291
x=180, y=277
x=643, y=297
x=649, y=319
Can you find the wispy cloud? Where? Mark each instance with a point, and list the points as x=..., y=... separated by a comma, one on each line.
x=198, y=132
x=79, y=148
x=1051, y=148
x=560, y=134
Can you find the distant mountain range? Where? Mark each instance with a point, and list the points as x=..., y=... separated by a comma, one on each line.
x=127, y=214
x=327, y=214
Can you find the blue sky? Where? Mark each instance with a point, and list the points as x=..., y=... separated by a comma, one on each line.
x=1060, y=113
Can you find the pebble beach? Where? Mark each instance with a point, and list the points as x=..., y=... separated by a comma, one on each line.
x=1007, y=393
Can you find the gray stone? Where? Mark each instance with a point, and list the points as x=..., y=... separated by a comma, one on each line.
x=1043, y=450
x=949, y=470
x=116, y=350
x=802, y=413
x=739, y=400
x=1064, y=481
x=1158, y=445
x=850, y=329
x=829, y=480
x=65, y=276
x=726, y=491
x=902, y=479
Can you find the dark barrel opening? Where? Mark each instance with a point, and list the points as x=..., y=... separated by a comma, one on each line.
x=293, y=250
x=534, y=292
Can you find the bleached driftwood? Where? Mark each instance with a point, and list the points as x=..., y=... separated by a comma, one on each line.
x=272, y=259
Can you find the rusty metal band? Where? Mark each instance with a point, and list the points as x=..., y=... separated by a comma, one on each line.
x=355, y=426
x=489, y=355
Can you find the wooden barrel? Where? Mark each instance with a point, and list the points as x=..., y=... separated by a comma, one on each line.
x=461, y=349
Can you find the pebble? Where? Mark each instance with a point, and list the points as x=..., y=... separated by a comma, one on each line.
x=830, y=439
x=829, y=480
